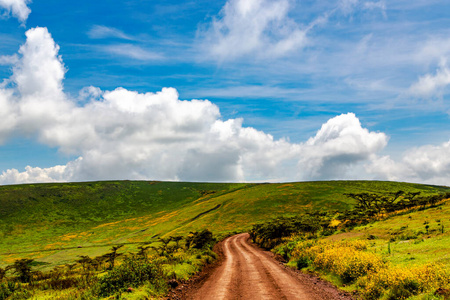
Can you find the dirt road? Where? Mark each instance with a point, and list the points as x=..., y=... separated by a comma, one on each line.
x=250, y=273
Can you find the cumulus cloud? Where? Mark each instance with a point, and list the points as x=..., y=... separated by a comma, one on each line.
x=432, y=85
x=429, y=164
x=17, y=8
x=40, y=71
x=253, y=27
x=122, y=134
x=53, y=174
x=8, y=114
x=38, y=77
x=340, y=143
x=6, y=60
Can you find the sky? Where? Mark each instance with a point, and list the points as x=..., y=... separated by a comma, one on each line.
x=229, y=91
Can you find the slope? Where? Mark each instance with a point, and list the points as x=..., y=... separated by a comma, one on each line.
x=56, y=223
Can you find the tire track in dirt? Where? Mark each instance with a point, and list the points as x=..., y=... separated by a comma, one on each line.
x=250, y=273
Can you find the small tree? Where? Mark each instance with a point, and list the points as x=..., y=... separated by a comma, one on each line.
x=2, y=274
x=22, y=268
x=199, y=239
x=142, y=252
x=177, y=240
x=164, y=249
x=111, y=256
x=85, y=261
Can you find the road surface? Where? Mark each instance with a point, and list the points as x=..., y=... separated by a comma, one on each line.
x=250, y=273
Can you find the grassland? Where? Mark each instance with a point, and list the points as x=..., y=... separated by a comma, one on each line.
x=414, y=239
x=56, y=223
x=402, y=254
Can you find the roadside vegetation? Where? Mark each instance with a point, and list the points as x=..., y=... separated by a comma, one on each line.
x=149, y=272
x=389, y=246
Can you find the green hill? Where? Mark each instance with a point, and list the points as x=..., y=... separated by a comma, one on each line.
x=55, y=223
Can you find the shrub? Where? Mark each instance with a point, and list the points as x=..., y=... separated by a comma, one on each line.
x=270, y=234
x=302, y=262
x=347, y=259
x=285, y=249
x=397, y=283
x=200, y=239
x=432, y=276
x=6, y=289
x=22, y=267
x=348, y=263
x=402, y=283
x=132, y=273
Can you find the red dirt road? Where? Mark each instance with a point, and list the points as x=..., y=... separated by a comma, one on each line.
x=250, y=273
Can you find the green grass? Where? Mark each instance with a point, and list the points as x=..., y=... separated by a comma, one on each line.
x=55, y=223
x=407, y=236
x=398, y=255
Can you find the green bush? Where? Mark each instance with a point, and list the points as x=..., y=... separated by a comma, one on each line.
x=6, y=289
x=132, y=273
x=302, y=262
x=200, y=239
x=271, y=233
x=22, y=267
x=13, y=291
x=408, y=288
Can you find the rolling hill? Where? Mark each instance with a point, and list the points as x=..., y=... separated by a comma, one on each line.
x=56, y=223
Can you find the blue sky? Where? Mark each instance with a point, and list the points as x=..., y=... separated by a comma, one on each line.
x=287, y=90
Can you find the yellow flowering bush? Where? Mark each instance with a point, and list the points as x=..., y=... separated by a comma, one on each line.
x=399, y=282
x=432, y=276
x=376, y=279
x=402, y=283
x=348, y=263
x=347, y=259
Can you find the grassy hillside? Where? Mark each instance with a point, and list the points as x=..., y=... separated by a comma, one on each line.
x=402, y=254
x=408, y=240
x=56, y=223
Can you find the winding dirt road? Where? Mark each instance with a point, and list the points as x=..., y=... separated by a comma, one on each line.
x=250, y=273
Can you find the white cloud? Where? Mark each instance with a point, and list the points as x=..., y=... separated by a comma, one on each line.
x=40, y=70
x=126, y=50
x=381, y=5
x=8, y=114
x=433, y=49
x=339, y=144
x=182, y=146
x=432, y=85
x=132, y=51
x=30, y=175
x=253, y=27
x=123, y=134
x=426, y=164
x=6, y=60
x=102, y=32
x=90, y=93
x=18, y=8
x=348, y=7
x=38, y=77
